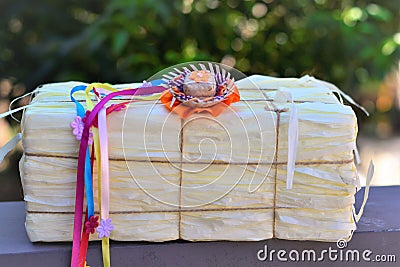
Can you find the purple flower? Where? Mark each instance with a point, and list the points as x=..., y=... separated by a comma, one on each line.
x=105, y=228
x=77, y=126
x=91, y=224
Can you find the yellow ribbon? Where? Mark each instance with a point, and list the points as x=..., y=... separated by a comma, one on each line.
x=105, y=242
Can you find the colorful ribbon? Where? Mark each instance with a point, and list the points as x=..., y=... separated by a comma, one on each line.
x=102, y=160
x=83, y=151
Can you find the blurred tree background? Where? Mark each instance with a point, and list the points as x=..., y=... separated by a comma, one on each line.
x=353, y=44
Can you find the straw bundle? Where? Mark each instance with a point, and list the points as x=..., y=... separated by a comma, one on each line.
x=204, y=177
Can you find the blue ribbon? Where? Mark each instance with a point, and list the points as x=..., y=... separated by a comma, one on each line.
x=80, y=110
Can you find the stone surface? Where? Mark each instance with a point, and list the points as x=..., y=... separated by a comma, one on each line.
x=378, y=231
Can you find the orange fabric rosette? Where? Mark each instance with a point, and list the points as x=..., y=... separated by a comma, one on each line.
x=185, y=111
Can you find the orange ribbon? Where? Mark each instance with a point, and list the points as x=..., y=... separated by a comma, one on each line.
x=185, y=111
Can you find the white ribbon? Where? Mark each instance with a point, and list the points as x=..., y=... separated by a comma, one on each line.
x=9, y=146
x=357, y=155
x=370, y=174
x=293, y=139
x=282, y=97
x=10, y=112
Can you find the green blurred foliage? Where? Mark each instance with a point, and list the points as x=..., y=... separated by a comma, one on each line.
x=350, y=43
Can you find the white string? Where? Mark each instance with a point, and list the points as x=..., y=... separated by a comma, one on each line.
x=357, y=155
x=11, y=112
x=334, y=88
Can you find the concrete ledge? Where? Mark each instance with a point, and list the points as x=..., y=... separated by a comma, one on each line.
x=378, y=231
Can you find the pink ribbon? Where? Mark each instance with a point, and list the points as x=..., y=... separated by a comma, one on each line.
x=81, y=162
x=105, y=172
